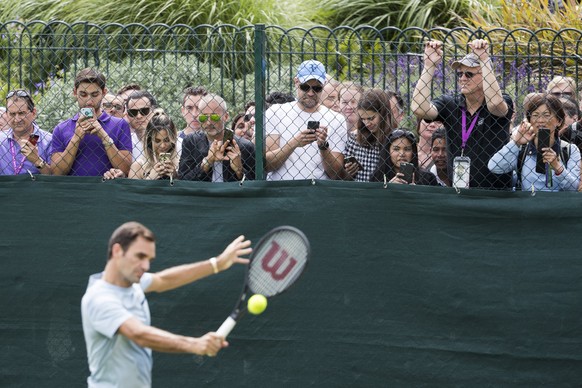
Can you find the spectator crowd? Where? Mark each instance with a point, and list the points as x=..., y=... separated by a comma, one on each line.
x=326, y=130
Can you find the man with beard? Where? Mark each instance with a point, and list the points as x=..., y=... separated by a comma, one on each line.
x=438, y=154
x=207, y=156
x=92, y=142
x=305, y=139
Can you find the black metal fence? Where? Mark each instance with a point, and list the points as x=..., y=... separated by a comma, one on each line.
x=245, y=63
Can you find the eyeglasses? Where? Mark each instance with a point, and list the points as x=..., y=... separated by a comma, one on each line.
x=398, y=133
x=213, y=117
x=468, y=74
x=563, y=94
x=19, y=93
x=141, y=111
x=536, y=116
x=307, y=87
x=248, y=117
x=110, y=105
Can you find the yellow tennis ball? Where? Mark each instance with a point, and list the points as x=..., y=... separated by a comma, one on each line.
x=257, y=304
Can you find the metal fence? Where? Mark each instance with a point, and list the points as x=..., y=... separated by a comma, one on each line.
x=245, y=63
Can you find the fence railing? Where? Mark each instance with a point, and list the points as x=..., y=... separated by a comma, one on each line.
x=244, y=63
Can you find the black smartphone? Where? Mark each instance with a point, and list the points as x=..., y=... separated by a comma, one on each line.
x=312, y=125
x=33, y=138
x=407, y=169
x=352, y=159
x=543, y=138
x=228, y=136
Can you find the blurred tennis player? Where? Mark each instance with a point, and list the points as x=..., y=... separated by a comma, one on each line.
x=116, y=315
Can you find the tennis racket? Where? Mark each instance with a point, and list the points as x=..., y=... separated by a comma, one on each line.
x=277, y=261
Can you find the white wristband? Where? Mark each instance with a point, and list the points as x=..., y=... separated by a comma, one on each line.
x=213, y=264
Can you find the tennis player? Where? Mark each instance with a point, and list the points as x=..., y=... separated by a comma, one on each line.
x=116, y=315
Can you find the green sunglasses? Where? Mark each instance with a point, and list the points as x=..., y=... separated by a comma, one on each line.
x=214, y=117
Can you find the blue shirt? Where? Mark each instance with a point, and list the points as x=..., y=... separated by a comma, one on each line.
x=12, y=162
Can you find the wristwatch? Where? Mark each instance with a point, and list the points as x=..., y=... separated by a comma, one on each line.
x=41, y=164
x=324, y=146
x=108, y=142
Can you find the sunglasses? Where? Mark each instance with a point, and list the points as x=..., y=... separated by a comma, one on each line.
x=19, y=93
x=563, y=94
x=398, y=133
x=142, y=111
x=213, y=117
x=110, y=105
x=307, y=87
x=248, y=117
x=468, y=74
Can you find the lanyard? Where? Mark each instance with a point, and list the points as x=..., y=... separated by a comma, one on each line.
x=466, y=132
x=16, y=167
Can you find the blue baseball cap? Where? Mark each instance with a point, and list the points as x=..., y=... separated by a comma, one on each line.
x=311, y=69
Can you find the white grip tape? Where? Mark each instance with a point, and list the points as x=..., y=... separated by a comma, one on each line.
x=227, y=326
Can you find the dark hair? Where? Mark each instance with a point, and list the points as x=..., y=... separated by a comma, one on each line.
x=249, y=104
x=438, y=133
x=142, y=94
x=570, y=106
x=279, y=98
x=378, y=101
x=235, y=119
x=126, y=234
x=398, y=98
x=193, y=91
x=385, y=166
x=127, y=87
x=552, y=102
x=90, y=75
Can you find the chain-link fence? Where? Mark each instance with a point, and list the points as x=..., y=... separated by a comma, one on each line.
x=238, y=73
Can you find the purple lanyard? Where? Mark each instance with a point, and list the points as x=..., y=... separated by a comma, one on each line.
x=14, y=165
x=466, y=133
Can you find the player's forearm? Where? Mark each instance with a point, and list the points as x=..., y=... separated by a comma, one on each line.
x=181, y=275
x=157, y=339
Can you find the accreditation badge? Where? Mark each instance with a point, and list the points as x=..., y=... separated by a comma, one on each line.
x=461, y=172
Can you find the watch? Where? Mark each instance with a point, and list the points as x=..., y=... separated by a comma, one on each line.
x=108, y=142
x=41, y=164
x=324, y=146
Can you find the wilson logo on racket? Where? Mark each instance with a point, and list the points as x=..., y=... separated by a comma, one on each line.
x=273, y=266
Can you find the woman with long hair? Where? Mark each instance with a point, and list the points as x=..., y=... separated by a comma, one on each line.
x=160, y=159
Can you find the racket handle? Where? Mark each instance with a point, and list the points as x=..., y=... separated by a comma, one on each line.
x=226, y=327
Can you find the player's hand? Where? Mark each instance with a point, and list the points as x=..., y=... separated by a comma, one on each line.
x=233, y=252
x=209, y=344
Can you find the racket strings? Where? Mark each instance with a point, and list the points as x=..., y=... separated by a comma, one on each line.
x=278, y=262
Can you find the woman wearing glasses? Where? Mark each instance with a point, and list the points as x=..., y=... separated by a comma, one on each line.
x=160, y=159
x=540, y=167
x=399, y=161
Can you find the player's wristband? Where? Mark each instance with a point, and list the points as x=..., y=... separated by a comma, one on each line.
x=214, y=264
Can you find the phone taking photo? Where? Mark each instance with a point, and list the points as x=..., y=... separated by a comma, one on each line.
x=352, y=159
x=544, y=135
x=33, y=138
x=407, y=169
x=87, y=112
x=164, y=156
x=228, y=136
x=312, y=126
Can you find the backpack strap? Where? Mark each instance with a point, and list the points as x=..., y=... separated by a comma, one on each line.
x=520, y=161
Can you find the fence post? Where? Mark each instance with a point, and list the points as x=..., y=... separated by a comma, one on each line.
x=260, y=80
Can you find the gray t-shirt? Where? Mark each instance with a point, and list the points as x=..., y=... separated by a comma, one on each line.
x=114, y=360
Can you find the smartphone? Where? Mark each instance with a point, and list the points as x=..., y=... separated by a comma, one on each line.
x=407, y=169
x=87, y=112
x=228, y=136
x=312, y=125
x=165, y=156
x=33, y=138
x=352, y=159
x=544, y=135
